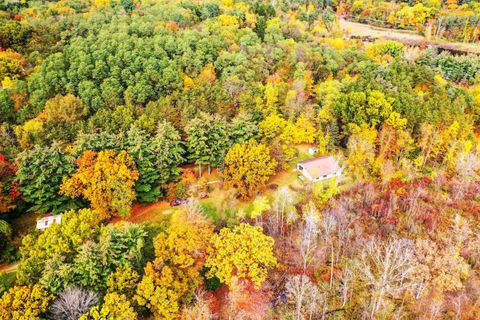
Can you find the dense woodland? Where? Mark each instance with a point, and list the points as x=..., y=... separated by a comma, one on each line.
x=107, y=106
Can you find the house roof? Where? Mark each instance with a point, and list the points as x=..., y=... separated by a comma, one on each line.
x=321, y=166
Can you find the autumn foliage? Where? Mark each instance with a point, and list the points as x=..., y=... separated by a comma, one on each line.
x=106, y=179
x=180, y=254
x=241, y=253
x=248, y=167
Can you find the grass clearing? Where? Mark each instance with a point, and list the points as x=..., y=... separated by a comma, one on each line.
x=154, y=213
x=404, y=36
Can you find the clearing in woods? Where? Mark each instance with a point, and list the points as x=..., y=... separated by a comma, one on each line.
x=404, y=36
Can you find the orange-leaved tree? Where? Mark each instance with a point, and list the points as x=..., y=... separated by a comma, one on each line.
x=106, y=179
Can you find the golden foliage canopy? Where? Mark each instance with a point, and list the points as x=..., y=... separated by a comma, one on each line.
x=106, y=179
x=247, y=167
x=243, y=252
x=24, y=302
x=180, y=254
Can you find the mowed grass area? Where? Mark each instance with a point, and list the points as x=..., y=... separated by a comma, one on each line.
x=158, y=212
x=6, y=281
x=222, y=199
x=154, y=213
x=407, y=37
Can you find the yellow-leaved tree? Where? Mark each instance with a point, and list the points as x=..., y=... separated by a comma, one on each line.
x=62, y=239
x=242, y=252
x=305, y=130
x=271, y=99
x=180, y=253
x=394, y=145
x=115, y=307
x=247, y=167
x=124, y=280
x=106, y=179
x=272, y=126
x=361, y=151
x=24, y=302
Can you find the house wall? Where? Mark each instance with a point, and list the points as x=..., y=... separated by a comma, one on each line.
x=304, y=172
x=328, y=176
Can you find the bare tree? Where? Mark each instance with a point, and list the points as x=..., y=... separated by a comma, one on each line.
x=346, y=285
x=305, y=295
x=284, y=210
x=329, y=225
x=299, y=288
x=385, y=268
x=200, y=308
x=72, y=303
x=193, y=209
x=412, y=209
x=308, y=237
x=468, y=169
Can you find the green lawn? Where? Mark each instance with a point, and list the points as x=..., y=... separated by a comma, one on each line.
x=221, y=198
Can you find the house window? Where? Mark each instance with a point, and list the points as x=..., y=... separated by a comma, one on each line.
x=325, y=176
x=300, y=167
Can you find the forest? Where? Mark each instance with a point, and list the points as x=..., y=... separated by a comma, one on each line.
x=152, y=158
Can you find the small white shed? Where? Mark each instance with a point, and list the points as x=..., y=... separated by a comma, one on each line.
x=46, y=222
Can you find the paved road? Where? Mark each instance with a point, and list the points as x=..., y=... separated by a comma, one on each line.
x=404, y=36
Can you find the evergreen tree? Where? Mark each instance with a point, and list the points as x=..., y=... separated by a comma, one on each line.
x=40, y=174
x=207, y=140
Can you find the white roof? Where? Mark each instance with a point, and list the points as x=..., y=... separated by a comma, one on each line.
x=321, y=166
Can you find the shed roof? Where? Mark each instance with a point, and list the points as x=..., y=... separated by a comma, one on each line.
x=321, y=166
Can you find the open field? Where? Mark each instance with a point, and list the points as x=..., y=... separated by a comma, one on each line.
x=219, y=197
x=404, y=36
x=155, y=213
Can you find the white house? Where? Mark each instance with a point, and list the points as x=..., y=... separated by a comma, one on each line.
x=321, y=168
x=46, y=222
